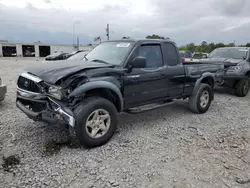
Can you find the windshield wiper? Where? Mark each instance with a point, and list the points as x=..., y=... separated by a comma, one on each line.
x=100, y=61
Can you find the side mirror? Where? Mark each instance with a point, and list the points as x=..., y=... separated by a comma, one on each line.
x=138, y=62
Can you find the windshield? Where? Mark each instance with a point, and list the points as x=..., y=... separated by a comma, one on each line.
x=110, y=52
x=78, y=56
x=236, y=53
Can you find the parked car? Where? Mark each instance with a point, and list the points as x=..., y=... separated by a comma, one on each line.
x=3, y=90
x=185, y=57
x=57, y=56
x=116, y=76
x=200, y=55
x=78, y=56
x=237, y=62
x=189, y=54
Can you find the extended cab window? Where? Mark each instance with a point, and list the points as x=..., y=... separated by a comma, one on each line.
x=170, y=54
x=153, y=55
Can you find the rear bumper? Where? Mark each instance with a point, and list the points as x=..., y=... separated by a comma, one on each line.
x=3, y=91
x=53, y=112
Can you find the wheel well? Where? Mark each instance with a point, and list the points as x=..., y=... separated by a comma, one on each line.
x=248, y=73
x=107, y=94
x=208, y=80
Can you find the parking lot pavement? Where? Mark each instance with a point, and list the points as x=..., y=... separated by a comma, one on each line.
x=168, y=147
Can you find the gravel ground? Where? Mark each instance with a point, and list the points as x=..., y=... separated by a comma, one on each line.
x=168, y=147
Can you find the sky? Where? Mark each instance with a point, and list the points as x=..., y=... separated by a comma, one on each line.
x=184, y=21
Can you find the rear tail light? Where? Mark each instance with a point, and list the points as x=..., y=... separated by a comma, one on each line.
x=183, y=60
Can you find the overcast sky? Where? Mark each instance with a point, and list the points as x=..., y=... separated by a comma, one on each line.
x=185, y=21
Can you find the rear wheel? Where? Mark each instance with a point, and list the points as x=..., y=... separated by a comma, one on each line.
x=242, y=88
x=96, y=120
x=200, y=100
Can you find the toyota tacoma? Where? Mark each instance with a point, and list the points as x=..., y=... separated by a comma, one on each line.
x=116, y=76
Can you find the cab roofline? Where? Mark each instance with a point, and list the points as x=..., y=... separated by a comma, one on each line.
x=141, y=40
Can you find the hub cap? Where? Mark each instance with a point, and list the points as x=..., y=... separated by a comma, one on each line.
x=98, y=123
x=204, y=99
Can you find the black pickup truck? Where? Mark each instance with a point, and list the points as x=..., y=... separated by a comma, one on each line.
x=116, y=76
x=236, y=61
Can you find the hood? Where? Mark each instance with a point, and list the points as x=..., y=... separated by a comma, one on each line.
x=53, y=71
x=226, y=61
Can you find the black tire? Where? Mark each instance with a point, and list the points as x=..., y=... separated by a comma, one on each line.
x=195, y=99
x=84, y=110
x=242, y=88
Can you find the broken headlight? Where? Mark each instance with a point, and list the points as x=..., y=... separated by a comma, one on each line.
x=55, y=92
x=235, y=69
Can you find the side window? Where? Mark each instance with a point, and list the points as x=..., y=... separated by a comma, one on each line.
x=170, y=54
x=153, y=55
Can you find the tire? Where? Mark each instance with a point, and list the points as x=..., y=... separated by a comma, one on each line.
x=242, y=88
x=83, y=113
x=196, y=97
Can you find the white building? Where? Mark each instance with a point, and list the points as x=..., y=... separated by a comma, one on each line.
x=8, y=49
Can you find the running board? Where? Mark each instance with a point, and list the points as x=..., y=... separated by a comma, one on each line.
x=144, y=108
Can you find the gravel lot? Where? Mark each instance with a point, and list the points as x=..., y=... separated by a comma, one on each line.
x=168, y=147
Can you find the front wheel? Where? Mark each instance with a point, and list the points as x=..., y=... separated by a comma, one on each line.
x=242, y=88
x=96, y=120
x=200, y=100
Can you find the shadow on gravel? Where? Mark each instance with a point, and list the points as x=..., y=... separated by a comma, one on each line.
x=10, y=162
x=53, y=147
x=224, y=90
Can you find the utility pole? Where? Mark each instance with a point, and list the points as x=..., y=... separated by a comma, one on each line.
x=77, y=40
x=73, y=34
x=107, y=31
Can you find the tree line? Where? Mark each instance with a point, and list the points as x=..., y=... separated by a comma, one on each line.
x=203, y=47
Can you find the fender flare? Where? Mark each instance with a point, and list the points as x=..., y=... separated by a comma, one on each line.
x=199, y=81
x=247, y=71
x=98, y=85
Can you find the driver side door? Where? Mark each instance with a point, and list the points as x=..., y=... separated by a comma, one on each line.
x=144, y=85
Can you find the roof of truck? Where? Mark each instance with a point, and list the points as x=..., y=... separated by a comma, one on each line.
x=235, y=47
x=140, y=40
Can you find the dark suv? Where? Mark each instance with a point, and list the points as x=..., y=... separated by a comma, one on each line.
x=237, y=62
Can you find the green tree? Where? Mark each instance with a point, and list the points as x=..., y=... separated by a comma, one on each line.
x=183, y=48
x=191, y=47
x=155, y=37
x=248, y=45
x=230, y=45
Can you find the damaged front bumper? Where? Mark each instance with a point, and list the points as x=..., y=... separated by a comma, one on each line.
x=50, y=110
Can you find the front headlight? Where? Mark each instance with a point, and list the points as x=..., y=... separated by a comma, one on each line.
x=56, y=92
x=235, y=69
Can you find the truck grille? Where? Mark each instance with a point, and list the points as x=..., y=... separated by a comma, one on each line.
x=28, y=85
